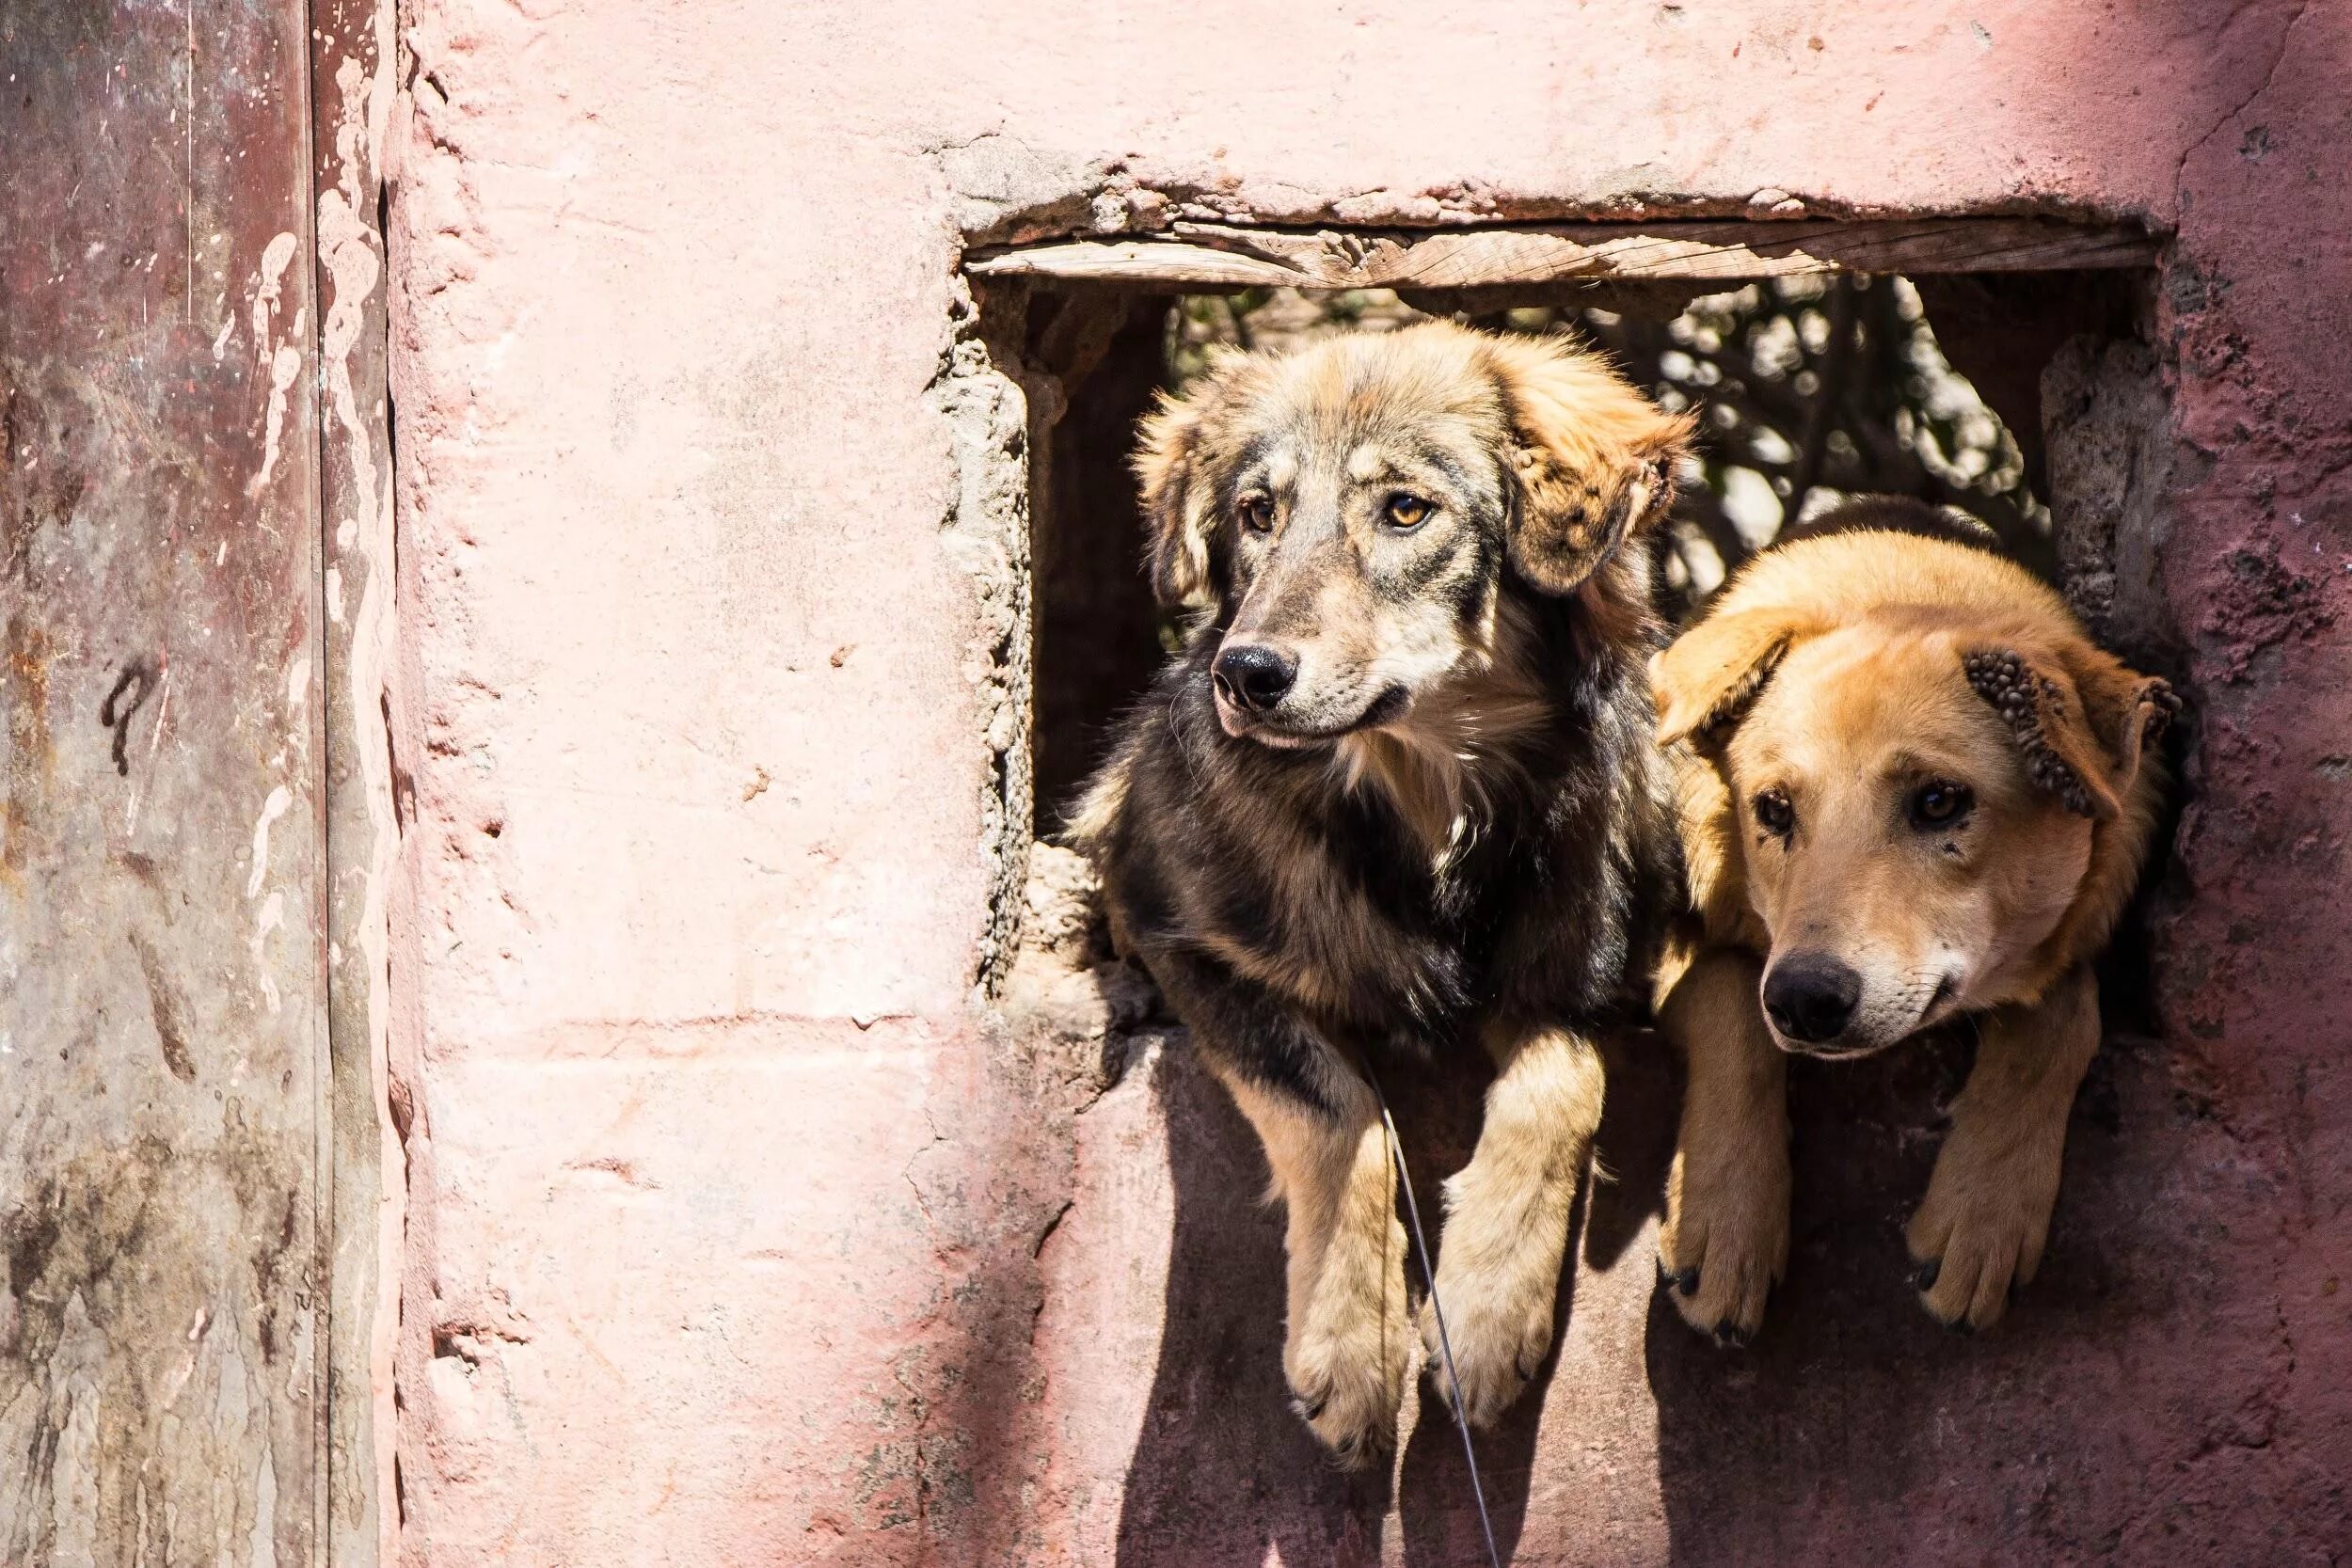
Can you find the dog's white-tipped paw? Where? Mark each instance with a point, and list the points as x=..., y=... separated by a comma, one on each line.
x=1500, y=1338
x=1347, y=1382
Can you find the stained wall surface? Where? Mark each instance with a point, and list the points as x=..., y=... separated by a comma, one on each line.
x=163, y=1041
x=764, y=1206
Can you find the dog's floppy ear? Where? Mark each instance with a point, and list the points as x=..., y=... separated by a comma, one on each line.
x=2083, y=730
x=2126, y=711
x=1592, y=460
x=1713, y=671
x=1179, y=504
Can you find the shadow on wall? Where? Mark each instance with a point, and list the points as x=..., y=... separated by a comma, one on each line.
x=1854, y=1421
x=1223, y=1471
x=1853, y=1418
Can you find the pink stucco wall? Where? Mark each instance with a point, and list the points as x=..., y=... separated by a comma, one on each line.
x=737, y=1231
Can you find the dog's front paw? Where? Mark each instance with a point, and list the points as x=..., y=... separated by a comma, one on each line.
x=1979, y=1232
x=1725, y=1240
x=1500, y=1328
x=1347, y=1373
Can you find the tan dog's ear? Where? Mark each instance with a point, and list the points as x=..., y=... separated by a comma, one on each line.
x=2125, y=709
x=1592, y=460
x=1179, y=504
x=1713, y=671
x=2082, y=731
x=1176, y=533
x=2146, y=708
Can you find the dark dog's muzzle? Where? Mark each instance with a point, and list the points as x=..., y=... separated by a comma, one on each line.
x=1254, y=676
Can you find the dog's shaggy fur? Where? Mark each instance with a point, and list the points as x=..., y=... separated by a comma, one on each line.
x=1911, y=790
x=1442, y=820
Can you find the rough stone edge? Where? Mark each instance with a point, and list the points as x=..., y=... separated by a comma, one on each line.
x=986, y=530
x=1004, y=190
x=2107, y=416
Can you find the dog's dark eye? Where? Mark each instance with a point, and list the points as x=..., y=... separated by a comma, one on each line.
x=1773, y=812
x=1940, y=804
x=1408, y=510
x=1257, y=514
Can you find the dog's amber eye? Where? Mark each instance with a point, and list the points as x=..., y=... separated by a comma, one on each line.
x=1940, y=804
x=1773, y=812
x=1408, y=510
x=1257, y=514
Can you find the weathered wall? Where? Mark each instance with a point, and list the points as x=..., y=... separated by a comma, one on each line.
x=741, y=1229
x=162, y=980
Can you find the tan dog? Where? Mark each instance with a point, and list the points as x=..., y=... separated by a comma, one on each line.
x=1912, y=789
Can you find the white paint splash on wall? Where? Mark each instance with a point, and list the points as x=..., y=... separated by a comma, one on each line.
x=261, y=1545
x=273, y=915
x=276, y=257
x=284, y=366
x=272, y=808
x=285, y=361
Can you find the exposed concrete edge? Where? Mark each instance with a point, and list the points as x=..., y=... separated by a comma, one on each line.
x=1717, y=254
x=1006, y=191
x=986, y=529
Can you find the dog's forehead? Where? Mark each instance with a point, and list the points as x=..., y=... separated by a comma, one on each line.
x=1841, y=704
x=1365, y=403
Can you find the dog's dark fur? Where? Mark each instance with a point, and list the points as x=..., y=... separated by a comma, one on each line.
x=1453, y=828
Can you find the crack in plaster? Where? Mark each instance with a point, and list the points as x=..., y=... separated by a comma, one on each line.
x=2286, y=37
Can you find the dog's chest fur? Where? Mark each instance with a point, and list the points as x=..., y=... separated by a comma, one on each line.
x=1393, y=897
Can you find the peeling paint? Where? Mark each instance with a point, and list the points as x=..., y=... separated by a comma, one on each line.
x=285, y=361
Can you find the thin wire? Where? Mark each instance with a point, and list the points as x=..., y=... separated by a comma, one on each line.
x=1445, y=1345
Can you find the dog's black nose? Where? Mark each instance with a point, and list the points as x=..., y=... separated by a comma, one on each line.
x=1811, y=996
x=1253, y=676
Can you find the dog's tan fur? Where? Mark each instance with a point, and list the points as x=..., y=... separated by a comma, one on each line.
x=1506, y=1227
x=1842, y=675
x=1451, y=830
x=1349, y=1339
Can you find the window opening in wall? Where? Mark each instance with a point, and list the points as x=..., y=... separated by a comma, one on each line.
x=1808, y=388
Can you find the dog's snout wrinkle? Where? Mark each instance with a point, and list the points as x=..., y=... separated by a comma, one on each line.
x=1810, y=996
x=1254, y=676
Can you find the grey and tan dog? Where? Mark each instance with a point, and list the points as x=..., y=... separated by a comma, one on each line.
x=1912, y=790
x=1399, y=794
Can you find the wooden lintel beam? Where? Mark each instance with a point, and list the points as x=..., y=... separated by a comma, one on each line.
x=1219, y=256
